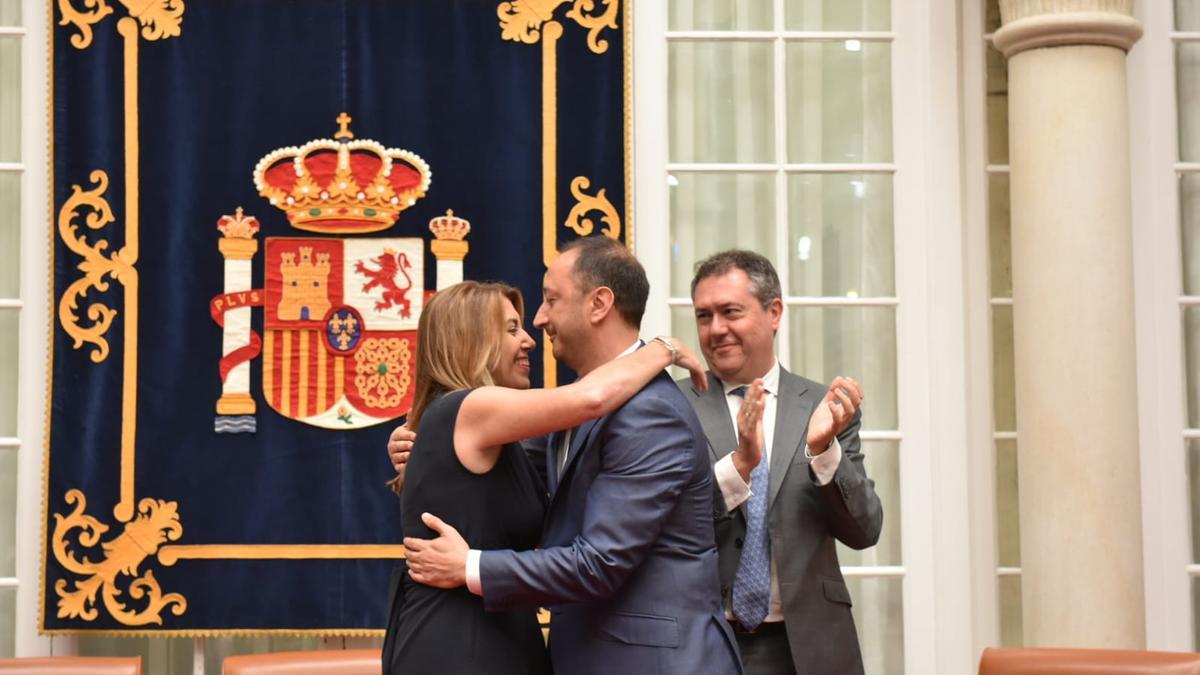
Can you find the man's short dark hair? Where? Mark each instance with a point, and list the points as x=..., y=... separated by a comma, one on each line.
x=764, y=281
x=608, y=262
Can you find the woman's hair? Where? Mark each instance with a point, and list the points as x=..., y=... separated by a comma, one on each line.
x=458, y=340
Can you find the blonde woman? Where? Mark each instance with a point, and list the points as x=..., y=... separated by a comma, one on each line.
x=471, y=406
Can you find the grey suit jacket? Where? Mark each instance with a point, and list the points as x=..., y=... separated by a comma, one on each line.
x=804, y=521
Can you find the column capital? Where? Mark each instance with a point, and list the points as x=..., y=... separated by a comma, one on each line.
x=1031, y=24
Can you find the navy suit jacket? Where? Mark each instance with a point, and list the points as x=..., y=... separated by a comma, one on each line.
x=628, y=566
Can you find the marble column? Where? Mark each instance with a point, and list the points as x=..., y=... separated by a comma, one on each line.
x=1076, y=388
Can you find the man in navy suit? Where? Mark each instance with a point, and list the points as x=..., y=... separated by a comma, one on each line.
x=629, y=561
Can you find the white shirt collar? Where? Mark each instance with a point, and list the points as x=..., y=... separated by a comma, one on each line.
x=770, y=381
x=632, y=348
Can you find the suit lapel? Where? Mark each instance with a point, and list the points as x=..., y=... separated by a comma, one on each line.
x=792, y=410
x=578, y=441
x=713, y=412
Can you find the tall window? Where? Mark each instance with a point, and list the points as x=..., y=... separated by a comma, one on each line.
x=780, y=141
x=1004, y=409
x=1187, y=78
x=12, y=37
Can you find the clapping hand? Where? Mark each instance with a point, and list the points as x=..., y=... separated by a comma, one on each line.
x=751, y=440
x=833, y=413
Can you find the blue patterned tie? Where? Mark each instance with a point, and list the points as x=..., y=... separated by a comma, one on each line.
x=752, y=583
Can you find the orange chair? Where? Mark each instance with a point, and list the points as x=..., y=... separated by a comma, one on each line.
x=72, y=665
x=1086, y=661
x=323, y=662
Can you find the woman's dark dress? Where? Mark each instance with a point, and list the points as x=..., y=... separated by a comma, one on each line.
x=447, y=631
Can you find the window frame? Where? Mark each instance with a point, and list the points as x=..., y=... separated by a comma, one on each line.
x=1155, y=170
x=35, y=228
x=929, y=300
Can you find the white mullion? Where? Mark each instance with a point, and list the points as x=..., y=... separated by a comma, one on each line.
x=876, y=436
x=782, y=248
x=9, y=582
x=720, y=167
x=1004, y=435
x=1001, y=302
x=1184, y=36
x=10, y=303
x=1189, y=300
x=651, y=134
x=873, y=571
x=996, y=168
x=825, y=302
x=763, y=167
x=841, y=301
x=1187, y=167
x=9, y=442
x=933, y=370
x=1008, y=571
x=12, y=31
x=772, y=35
x=1193, y=570
x=11, y=167
x=845, y=167
x=1191, y=434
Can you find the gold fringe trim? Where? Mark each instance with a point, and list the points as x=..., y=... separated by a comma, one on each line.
x=50, y=314
x=225, y=632
x=627, y=108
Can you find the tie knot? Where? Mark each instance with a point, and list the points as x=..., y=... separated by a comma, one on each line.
x=740, y=392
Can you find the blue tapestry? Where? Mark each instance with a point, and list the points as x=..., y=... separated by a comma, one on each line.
x=253, y=199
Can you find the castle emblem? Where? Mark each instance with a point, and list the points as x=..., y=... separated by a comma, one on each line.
x=340, y=314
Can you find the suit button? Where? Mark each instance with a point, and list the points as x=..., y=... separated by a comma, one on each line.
x=737, y=542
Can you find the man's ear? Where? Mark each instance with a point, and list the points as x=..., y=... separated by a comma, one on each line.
x=599, y=304
x=775, y=313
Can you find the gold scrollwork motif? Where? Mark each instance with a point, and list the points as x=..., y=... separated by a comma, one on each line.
x=595, y=24
x=585, y=203
x=160, y=19
x=94, y=266
x=83, y=21
x=521, y=20
x=156, y=523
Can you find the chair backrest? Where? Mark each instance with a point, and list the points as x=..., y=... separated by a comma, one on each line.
x=324, y=662
x=73, y=665
x=1089, y=661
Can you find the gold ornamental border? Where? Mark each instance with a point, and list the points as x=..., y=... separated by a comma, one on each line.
x=534, y=21
x=149, y=524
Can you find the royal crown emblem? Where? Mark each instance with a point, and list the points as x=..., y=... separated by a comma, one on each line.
x=342, y=185
x=340, y=314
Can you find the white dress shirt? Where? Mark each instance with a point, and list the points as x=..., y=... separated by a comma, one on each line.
x=736, y=491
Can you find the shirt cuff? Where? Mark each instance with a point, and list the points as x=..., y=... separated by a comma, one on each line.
x=826, y=464
x=735, y=490
x=474, y=583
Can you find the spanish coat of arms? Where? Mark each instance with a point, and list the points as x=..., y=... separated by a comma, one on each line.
x=339, y=314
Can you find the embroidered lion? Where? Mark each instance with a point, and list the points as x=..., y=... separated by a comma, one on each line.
x=390, y=266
